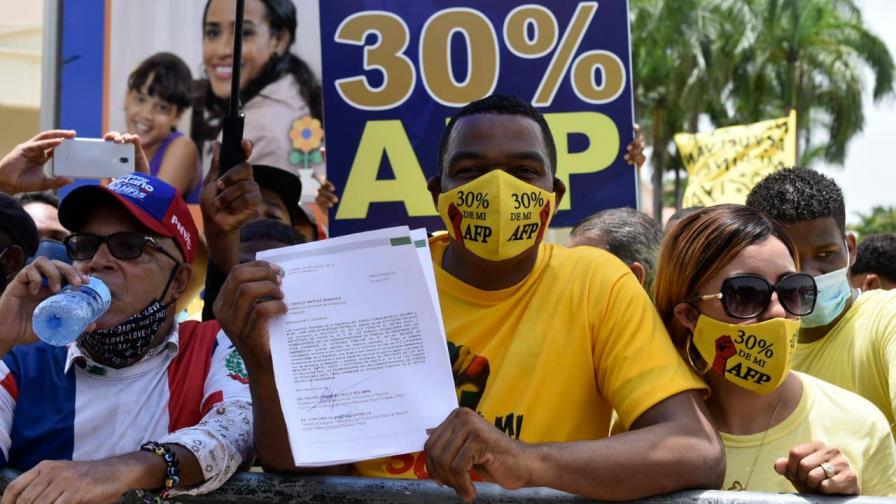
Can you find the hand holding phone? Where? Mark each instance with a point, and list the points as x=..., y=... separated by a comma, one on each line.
x=93, y=158
x=22, y=169
x=141, y=163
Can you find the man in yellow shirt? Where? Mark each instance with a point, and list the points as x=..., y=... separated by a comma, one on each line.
x=850, y=338
x=545, y=341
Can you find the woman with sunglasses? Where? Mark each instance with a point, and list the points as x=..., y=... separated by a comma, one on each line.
x=728, y=291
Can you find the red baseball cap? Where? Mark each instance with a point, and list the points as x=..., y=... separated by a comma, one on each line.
x=150, y=200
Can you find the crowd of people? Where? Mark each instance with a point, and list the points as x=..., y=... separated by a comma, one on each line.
x=741, y=347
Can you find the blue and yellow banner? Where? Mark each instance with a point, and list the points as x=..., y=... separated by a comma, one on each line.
x=395, y=71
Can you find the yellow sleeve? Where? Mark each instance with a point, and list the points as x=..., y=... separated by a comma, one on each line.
x=878, y=476
x=888, y=353
x=635, y=363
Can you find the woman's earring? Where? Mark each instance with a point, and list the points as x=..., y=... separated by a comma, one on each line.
x=687, y=351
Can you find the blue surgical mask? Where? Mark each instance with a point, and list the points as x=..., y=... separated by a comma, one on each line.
x=51, y=249
x=833, y=293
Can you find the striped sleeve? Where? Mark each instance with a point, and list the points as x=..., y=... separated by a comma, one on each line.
x=9, y=395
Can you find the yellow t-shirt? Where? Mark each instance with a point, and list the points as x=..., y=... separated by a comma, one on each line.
x=859, y=353
x=825, y=413
x=549, y=358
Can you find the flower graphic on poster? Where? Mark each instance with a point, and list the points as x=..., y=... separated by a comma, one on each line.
x=307, y=137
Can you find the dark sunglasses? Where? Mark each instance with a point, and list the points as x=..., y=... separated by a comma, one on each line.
x=747, y=296
x=125, y=245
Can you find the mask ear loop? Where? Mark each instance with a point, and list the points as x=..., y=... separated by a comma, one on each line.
x=687, y=351
x=167, y=285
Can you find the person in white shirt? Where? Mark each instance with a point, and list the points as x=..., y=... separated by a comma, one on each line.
x=138, y=401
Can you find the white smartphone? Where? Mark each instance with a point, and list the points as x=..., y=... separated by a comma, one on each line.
x=92, y=158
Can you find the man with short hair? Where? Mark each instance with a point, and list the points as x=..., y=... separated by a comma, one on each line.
x=626, y=233
x=875, y=266
x=43, y=208
x=18, y=239
x=849, y=339
x=566, y=336
x=137, y=391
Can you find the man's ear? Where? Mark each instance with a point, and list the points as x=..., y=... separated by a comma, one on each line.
x=434, y=185
x=851, y=247
x=639, y=270
x=559, y=192
x=686, y=315
x=871, y=282
x=11, y=261
x=181, y=280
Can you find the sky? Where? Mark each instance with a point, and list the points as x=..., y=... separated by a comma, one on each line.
x=868, y=177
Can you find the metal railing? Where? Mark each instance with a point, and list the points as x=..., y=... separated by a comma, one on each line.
x=257, y=488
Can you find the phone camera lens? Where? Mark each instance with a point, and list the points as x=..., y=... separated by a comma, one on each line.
x=122, y=160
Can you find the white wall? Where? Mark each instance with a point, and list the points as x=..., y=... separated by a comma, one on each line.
x=20, y=70
x=20, y=14
x=20, y=56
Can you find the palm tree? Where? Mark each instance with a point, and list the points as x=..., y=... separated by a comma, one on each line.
x=681, y=57
x=809, y=55
x=666, y=56
x=742, y=61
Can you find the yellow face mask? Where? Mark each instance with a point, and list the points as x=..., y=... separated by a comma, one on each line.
x=756, y=357
x=497, y=216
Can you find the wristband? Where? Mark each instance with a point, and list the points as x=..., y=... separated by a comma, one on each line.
x=172, y=465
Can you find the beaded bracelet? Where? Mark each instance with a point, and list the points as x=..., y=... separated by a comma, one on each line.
x=172, y=469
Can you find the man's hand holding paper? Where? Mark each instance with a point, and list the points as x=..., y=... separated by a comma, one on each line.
x=249, y=298
x=360, y=358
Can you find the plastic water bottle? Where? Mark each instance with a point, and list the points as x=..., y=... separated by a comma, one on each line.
x=64, y=316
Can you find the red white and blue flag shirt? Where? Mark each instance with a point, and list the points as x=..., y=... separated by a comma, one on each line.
x=57, y=404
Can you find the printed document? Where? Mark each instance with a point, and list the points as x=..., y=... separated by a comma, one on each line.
x=360, y=359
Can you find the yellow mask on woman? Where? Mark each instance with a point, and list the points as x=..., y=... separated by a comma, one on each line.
x=756, y=357
x=497, y=216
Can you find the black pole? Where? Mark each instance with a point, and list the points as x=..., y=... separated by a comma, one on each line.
x=237, y=58
x=232, y=136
